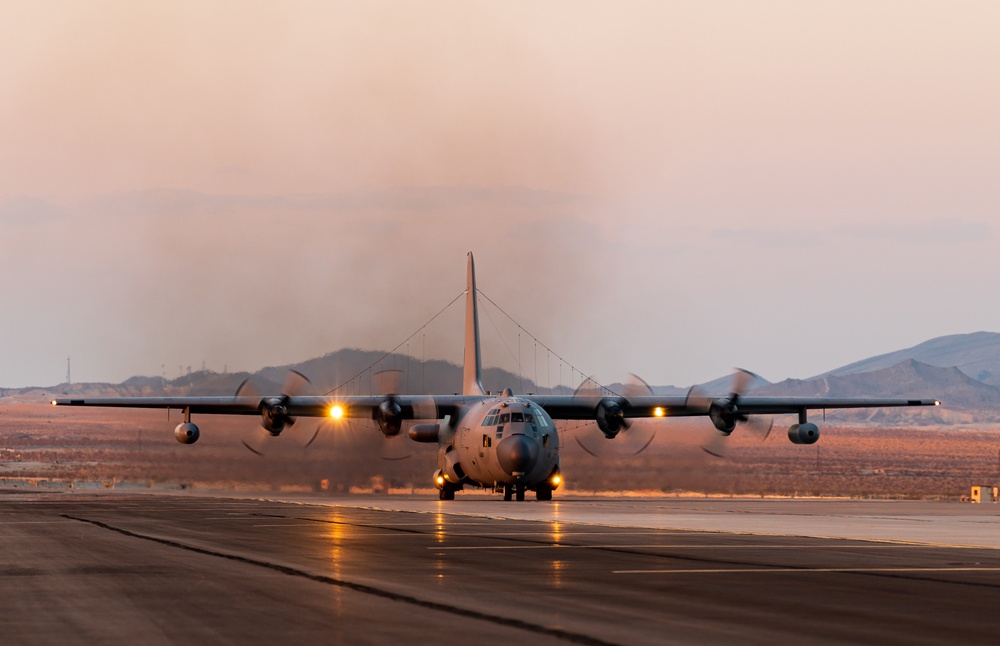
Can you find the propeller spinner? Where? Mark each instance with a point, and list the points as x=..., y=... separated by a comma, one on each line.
x=632, y=437
x=725, y=413
x=274, y=414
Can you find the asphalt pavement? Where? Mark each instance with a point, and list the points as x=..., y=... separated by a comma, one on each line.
x=108, y=567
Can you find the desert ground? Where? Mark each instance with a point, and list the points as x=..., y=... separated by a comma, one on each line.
x=41, y=445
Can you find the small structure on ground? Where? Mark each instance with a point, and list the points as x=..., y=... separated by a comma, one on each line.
x=984, y=493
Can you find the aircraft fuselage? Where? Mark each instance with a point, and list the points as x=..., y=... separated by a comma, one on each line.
x=507, y=443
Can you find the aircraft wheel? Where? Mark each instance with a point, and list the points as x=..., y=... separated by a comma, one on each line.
x=543, y=493
x=446, y=494
x=508, y=493
x=519, y=493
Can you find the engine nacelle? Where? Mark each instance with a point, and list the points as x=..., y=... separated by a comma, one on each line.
x=806, y=433
x=724, y=416
x=425, y=433
x=187, y=433
x=274, y=418
x=389, y=416
x=610, y=417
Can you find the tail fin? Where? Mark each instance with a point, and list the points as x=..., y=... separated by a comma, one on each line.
x=472, y=380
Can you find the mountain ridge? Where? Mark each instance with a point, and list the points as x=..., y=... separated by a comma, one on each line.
x=894, y=374
x=977, y=354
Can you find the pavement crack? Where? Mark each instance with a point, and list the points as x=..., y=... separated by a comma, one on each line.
x=557, y=633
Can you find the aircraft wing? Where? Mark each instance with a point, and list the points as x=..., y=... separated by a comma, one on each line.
x=411, y=406
x=416, y=406
x=781, y=405
x=576, y=407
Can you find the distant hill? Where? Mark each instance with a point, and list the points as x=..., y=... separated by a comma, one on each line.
x=964, y=399
x=940, y=368
x=976, y=354
x=356, y=371
x=724, y=385
x=962, y=370
x=909, y=379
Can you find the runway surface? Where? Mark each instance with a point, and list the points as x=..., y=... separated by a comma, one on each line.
x=116, y=568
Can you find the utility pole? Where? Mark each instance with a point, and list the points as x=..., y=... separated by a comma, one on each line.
x=68, y=379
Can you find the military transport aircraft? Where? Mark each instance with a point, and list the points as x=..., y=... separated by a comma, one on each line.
x=501, y=441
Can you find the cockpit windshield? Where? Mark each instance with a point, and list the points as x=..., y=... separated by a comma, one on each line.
x=496, y=418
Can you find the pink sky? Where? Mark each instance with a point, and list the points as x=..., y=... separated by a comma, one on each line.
x=670, y=189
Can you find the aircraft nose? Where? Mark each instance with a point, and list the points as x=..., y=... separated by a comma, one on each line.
x=517, y=453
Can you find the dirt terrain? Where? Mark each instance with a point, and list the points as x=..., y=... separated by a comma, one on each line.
x=95, y=447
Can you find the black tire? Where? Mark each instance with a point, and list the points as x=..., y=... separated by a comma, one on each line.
x=519, y=493
x=543, y=493
x=446, y=494
x=508, y=493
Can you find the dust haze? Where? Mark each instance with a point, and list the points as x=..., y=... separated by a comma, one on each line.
x=670, y=190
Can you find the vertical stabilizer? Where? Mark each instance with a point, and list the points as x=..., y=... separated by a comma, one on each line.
x=472, y=381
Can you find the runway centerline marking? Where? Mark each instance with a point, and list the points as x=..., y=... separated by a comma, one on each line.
x=30, y=522
x=661, y=546
x=779, y=570
x=284, y=525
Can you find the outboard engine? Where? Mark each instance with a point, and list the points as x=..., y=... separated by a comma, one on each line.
x=389, y=417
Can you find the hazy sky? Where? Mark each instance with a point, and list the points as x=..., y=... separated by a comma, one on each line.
x=666, y=188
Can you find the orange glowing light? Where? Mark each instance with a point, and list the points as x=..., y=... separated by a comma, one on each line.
x=659, y=412
x=336, y=412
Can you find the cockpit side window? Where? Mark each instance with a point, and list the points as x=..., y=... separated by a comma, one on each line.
x=540, y=417
x=505, y=418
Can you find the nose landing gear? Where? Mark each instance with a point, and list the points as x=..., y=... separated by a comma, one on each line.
x=511, y=491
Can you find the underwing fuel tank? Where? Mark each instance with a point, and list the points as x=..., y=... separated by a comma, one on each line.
x=187, y=433
x=806, y=433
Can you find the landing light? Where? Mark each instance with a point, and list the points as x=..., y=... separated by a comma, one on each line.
x=659, y=412
x=336, y=412
x=440, y=480
x=53, y=402
x=556, y=480
x=936, y=403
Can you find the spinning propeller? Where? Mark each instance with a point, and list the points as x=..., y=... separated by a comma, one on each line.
x=389, y=414
x=275, y=418
x=631, y=436
x=725, y=413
